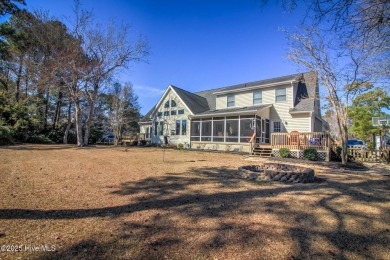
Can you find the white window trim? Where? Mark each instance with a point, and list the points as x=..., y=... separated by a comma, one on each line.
x=253, y=97
x=227, y=100
x=285, y=89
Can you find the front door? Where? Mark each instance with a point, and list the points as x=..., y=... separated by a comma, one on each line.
x=258, y=130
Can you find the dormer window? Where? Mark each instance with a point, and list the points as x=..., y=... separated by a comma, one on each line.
x=166, y=104
x=257, y=97
x=230, y=100
x=173, y=103
x=280, y=95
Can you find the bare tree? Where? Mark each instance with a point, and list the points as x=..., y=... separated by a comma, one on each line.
x=123, y=108
x=363, y=25
x=338, y=70
x=108, y=50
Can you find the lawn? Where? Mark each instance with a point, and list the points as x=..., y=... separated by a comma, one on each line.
x=63, y=202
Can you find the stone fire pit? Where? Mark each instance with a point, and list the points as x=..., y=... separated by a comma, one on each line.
x=277, y=172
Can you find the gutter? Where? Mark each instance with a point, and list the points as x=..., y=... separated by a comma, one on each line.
x=255, y=87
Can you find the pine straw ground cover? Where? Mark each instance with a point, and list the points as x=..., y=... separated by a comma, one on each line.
x=109, y=203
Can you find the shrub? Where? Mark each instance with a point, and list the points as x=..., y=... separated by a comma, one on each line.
x=284, y=152
x=135, y=142
x=56, y=135
x=310, y=154
x=180, y=146
x=6, y=133
x=142, y=142
x=370, y=145
x=39, y=139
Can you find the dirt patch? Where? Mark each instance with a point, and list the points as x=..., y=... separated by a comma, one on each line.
x=107, y=202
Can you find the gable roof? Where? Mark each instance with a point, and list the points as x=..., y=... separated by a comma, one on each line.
x=197, y=104
x=146, y=118
x=204, y=102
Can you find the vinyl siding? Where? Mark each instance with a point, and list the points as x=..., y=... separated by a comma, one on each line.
x=245, y=99
x=299, y=122
x=171, y=121
x=279, y=111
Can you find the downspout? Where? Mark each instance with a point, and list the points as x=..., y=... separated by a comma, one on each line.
x=293, y=92
x=312, y=121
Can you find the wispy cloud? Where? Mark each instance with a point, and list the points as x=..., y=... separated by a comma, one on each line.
x=148, y=91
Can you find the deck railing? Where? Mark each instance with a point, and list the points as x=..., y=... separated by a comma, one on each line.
x=301, y=141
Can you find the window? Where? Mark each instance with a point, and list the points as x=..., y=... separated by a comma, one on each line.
x=231, y=130
x=155, y=128
x=177, y=127
x=183, y=127
x=277, y=127
x=181, y=111
x=173, y=103
x=280, y=94
x=166, y=104
x=230, y=100
x=166, y=113
x=161, y=128
x=219, y=130
x=246, y=130
x=257, y=97
x=206, y=131
x=173, y=112
x=147, y=131
x=195, y=131
x=159, y=114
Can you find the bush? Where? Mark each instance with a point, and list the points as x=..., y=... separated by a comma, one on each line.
x=39, y=139
x=56, y=135
x=310, y=154
x=180, y=146
x=284, y=152
x=135, y=143
x=142, y=142
x=370, y=145
x=6, y=133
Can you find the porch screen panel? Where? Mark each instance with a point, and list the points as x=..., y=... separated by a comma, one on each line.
x=246, y=130
x=195, y=131
x=232, y=131
x=206, y=131
x=219, y=130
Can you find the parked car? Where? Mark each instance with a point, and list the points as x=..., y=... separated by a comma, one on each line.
x=107, y=139
x=353, y=143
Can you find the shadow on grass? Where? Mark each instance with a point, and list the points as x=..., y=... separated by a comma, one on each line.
x=214, y=222
x=50, y=147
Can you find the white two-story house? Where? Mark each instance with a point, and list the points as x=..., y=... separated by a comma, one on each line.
x=230, y=118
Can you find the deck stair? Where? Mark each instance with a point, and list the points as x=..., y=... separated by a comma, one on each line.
x=262, y=151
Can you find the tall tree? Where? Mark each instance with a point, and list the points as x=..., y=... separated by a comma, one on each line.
x=108, y=50
x=342, y=80
x=124, y=108
x=366, y=106
x=10, y=6
x=363, y=25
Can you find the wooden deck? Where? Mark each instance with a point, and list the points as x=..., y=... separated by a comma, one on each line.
x=301, y=141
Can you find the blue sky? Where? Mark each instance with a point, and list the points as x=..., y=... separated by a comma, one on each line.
x=195, y=44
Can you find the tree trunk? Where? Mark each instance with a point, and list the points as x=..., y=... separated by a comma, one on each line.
x=58, y=110
x=91, y=113
x=79, y=126
x=19, y=77
x=344, y=142
x=46, y=101
x=69, y=123
x=117, y=133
